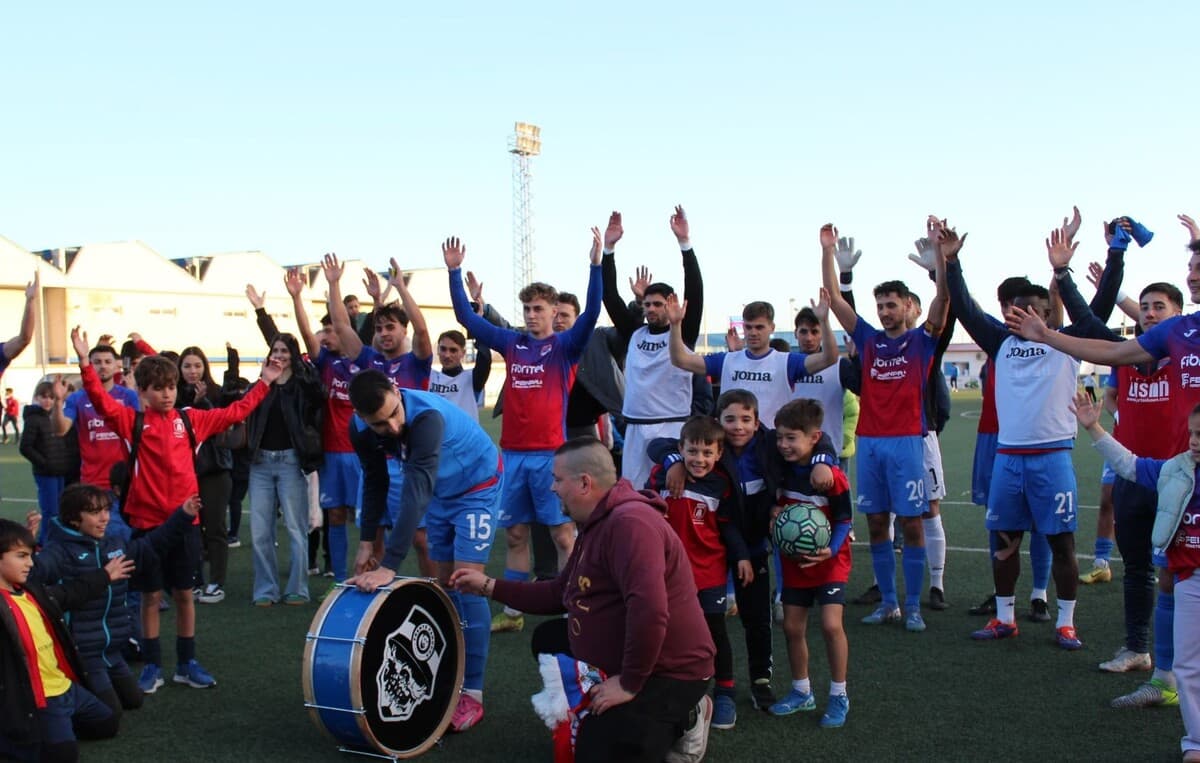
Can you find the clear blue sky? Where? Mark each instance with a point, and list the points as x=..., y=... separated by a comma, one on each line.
x=377, y=129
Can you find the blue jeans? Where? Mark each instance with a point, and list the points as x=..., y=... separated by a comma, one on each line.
x=49, y=491
x=276, y=481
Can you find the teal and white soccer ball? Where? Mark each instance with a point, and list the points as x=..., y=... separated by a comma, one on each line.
x=801, y=530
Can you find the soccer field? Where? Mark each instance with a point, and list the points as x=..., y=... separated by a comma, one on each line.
x=935, y=695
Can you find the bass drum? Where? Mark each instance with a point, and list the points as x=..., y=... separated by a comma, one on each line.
x=383, y=671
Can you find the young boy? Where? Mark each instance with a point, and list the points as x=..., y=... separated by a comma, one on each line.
x=1177, y=530
x=44, y=707
x=701, y=518
x=163, y=477
x=11, y=409
x=820, y=578
x=78, y=542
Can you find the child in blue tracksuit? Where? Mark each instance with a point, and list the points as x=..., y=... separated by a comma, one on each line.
x=77, y=542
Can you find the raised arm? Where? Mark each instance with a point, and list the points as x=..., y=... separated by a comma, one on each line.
x=625, y=321
x=294, y=283
x=422, y=347
x=829, y=351
x=483, y=366
x=15, y=346
x=987, y=332
x=693, y=282
x=266, y=324
x=454, y=252
x=837, y=303
x=1030, y=325
x=681, y=356
x=578, y=335
x=338, y=317
x=949, y=244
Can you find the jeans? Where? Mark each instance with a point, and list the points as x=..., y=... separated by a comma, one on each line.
x=49, y=491
x=276, y=481
x=1133, y=508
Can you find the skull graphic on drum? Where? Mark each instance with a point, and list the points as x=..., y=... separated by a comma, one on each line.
x=412, y=654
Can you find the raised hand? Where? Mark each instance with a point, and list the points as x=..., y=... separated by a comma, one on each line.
x=597, y=244
x=829, y=237
x=1192, y=228
x=821, y=306
x=61, y=388
x=639, y=286
x=80, y=343
x=271, y=371
x=201, y=390
x=1087, y=412
x=1071, y=227
x=926, y=255
x=679, y=225
x=293, y=281
x=396, y=275
x=31, y=288
x=1095, y=270
x=614, y=231
x=371, y=285
x=332, y=268
x=119, y=568
x=1059, y=249
x=453, y=252
x=846, y=255
x=733, y=342
x=257, y=298
x=948, y=241
x=135, y=337
x=675, y=310
x=1026, y=324
x=107, y=339
x=474, y=287
x=33, y=522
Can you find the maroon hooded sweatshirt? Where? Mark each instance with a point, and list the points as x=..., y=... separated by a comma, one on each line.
x=628, y=592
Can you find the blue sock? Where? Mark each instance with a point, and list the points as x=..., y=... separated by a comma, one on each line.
x=476, y=620
x=1164, y=631
x=151, y=651
x=1040, y=556
x=185, y=649
x=1104, y=547
x=337, y=551
x=883, y=560
x=912, y=560
x=519, y=576
x=778, y=575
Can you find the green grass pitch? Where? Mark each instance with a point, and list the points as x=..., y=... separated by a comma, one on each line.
x=930, y=696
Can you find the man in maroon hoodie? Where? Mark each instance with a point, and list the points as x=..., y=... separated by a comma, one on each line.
x=631, y=606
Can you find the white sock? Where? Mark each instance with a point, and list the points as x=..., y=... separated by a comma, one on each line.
x=837, y=689
x=512, y=612
x=935, y=551
x=802, y=685
x=1101, y=563
x=1066, y=612
x=1006, y=609
x=475, y=694
x=891, y=527
x=1039, y=593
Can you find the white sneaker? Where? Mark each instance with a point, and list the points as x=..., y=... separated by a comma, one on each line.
x=212, y=594
x=691, y=747
x=777, y=614
x=1124, y=661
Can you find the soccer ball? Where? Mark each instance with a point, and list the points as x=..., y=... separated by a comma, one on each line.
x=801, y=530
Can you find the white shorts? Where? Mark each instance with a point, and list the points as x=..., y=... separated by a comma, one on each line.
x=935, y=481
x=635, y=464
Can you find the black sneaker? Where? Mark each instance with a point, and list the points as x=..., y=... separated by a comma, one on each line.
x=761, y=695
x=870, y=596
x=1039, y=612
x=937, y=599
x=985, y=607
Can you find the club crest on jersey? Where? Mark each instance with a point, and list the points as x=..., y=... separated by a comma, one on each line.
x=546, y=350
x=177, y=427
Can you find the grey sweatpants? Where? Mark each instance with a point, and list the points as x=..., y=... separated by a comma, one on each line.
x=1187, y=658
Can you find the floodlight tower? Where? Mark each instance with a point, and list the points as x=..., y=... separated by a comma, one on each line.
x=524, y=144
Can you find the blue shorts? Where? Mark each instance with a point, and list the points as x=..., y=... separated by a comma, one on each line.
x=891, y=475
x=527, y=495
x=1035, y=491
x=981, y=471
x=1107, y=475
x=339, y=477
x=714, y=601
x=462, y=529
x=1159, y=558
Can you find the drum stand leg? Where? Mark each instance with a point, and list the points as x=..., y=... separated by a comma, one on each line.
x=368, y=754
